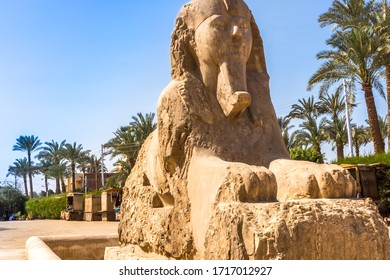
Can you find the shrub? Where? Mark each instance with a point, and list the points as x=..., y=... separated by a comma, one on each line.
x=46, y=207
x=383, y=181
x=11, y=201
x=369, y=159
x=305, y=154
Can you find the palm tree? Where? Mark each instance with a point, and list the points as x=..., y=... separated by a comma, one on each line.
x=382, y=30
x=74, y=154
x=284, y=124
x=123, y=145
x=83, y=166
x=53, y=152
x=11, y=172
x=383, y=126
x=44, y=168
x=348, y=13
x=21, y=169
x=354, y=55
x=360, y=136
x=129, y=139
x=28, y=144
x=311, y=131
x=336, y=132
x=142, y=126
x=122, y=170
x=126, y=145
x=334, y=126
x=59, y=171
x=93, y=165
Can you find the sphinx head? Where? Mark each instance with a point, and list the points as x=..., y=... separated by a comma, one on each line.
x=216, y=40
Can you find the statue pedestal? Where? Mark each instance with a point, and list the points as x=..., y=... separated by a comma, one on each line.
x=321, y=229
x=325, y=229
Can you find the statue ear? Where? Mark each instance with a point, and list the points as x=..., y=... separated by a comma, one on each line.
x=256, y=62
x=182, y=50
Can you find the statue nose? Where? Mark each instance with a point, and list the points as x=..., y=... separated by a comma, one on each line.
x=236, y=32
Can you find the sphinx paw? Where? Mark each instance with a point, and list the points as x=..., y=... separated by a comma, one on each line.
x=246, y=183
x=302, y=179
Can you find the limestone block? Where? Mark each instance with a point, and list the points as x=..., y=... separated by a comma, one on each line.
x=298, y=230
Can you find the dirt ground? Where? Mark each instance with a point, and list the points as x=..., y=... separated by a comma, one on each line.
x=14, y=234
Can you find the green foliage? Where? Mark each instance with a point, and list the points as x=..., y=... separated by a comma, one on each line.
x=94, y=192
x=382, y=158
x=126, y=145
x=43, y=193
x=311, y=129
x=28, y=144
x=122, y=170
x=383, y=180
x=356, y=54
x=309, y=154
x=11, y=200
x=46, y=207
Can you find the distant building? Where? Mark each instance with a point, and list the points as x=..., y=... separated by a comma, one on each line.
x=87, y=182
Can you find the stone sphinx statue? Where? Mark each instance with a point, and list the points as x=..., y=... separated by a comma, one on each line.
x=215, y=180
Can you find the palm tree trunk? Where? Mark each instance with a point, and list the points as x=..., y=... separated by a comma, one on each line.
x=58, y=188
x=388, y=105
x=30, y=174
x=340, y=151
x=373, y=119
x=357, y=150
x=73, y=177
x=318, y=150
x=63, y=187
x=25, y=185
x=46, y=186
x=31, y=184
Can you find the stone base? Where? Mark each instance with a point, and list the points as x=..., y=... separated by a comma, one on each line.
x=320, y=229
x=326, y=229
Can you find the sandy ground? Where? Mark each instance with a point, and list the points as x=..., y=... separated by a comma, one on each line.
x=13, y=235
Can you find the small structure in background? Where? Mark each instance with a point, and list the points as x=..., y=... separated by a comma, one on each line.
x=373, y=181
x=365, y=176
x=74, y=207
x=111, y=201
x=92, y=208
x=87, y=182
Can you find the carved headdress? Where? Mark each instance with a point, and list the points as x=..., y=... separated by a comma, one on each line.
x=183, y=58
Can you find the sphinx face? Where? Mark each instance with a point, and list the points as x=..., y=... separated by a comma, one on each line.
x=223, y=46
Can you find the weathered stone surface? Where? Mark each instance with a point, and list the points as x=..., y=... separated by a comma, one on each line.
x=306, y=230
x=213, y=171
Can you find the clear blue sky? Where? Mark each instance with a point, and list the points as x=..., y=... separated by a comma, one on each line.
x=77, y=70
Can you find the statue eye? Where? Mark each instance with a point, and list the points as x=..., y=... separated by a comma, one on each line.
x=244, y=24
x=219, y=23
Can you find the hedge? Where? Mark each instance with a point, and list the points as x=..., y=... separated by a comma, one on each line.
x=46, y=207
x=370, y=159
